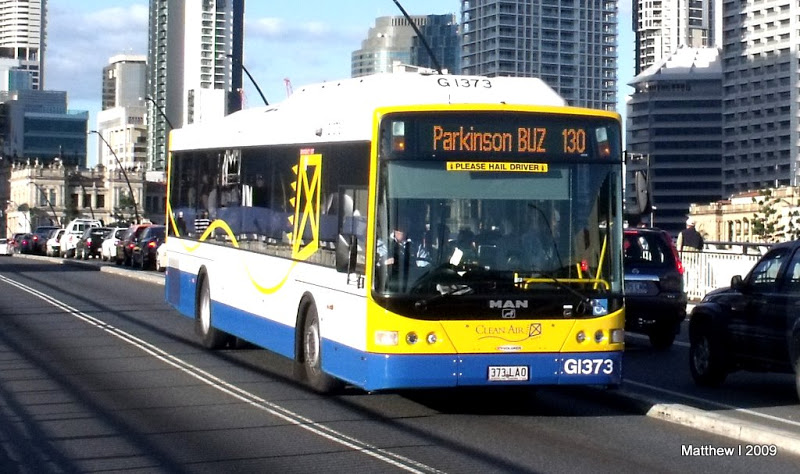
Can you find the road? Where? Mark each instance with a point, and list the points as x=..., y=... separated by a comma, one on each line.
x=98, y=373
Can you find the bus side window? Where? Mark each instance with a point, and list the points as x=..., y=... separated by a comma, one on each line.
x=352, y=230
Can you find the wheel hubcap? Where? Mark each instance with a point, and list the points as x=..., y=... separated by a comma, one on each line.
x=312, y=346
x=701, y=356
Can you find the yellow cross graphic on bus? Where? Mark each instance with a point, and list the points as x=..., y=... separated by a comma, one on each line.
x=306, y=205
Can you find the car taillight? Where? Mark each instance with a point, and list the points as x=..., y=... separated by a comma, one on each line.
x=89, y=241
x=678, y=262
x=131, y=246
x=151, y=244
x=35, y=238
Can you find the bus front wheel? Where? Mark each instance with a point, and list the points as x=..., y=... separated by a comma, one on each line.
x=311, y=358
x=210, y=337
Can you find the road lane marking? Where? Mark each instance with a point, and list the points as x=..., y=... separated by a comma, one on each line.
x=276, y=410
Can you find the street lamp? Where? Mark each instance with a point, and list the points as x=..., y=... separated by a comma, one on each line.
x=237, y=61
x=159, y=109
x=130, y=188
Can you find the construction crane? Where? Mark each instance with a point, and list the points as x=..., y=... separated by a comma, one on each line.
x=288, y=83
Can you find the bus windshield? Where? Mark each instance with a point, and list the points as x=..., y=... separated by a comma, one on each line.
x=496, y=225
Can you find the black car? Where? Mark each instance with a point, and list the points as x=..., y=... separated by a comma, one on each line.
x=144, y=251
x=655, y=300
x=127, y=242
x=90, y=242
x=752, y=325
x=40, y=236
x=23, y=243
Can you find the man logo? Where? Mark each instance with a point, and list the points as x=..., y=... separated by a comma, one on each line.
x=505, y=304
x=509, y=313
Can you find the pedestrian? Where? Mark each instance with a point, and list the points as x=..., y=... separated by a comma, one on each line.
x=689, y=238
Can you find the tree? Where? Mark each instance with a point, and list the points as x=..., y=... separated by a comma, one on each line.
x=772, y=225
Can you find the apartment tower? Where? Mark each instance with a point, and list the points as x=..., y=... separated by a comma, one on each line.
x=22, y=36
x=572, y=46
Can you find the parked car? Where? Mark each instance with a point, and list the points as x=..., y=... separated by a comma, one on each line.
x=108, y=249
x=143, y=254
x=127, y=242
x=74, y=230
x=752, y=325
x=53, y=244
x=6, y=249
x=654, y=294
x=23, y=243
x=161, y=257
x=15, y=241
x=89, y=243
x=40, y=235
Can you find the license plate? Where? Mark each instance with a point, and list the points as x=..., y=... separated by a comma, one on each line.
x=637, y=287
x=507, y=373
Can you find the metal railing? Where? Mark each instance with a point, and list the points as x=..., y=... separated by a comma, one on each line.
x=709, y=270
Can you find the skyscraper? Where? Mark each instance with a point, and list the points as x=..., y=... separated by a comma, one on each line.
x=194, y=66
x=761, y=107
x=122, y=120
x=572, y=46
x=663, y=26
x=393, y=40
x=22, y=35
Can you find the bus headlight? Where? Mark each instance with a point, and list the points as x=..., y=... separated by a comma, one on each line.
x=581, y=336
x=432, y=338
x=386, y=338
x=599, y=336
x=412, y=338
x=617, y=336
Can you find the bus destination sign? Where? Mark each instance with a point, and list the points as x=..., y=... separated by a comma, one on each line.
x=523, y=140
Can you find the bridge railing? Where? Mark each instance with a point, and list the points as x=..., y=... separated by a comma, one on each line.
x=709, y=270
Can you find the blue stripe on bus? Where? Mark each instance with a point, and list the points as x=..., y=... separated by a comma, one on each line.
x=395, y=371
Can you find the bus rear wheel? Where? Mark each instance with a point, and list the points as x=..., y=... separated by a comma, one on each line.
x=210, y=337
x=311, y=357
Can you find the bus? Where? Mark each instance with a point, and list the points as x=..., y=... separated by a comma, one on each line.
x=402, y=231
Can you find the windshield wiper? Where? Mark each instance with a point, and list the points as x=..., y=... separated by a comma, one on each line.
x=444, y=292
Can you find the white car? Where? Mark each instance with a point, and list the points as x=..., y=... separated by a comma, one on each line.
x=161, y=258
x=53, y=244
x=73, y=233
x=5, y=248
x=108, y=249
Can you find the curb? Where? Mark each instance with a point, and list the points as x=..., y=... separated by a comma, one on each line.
x=739, y=430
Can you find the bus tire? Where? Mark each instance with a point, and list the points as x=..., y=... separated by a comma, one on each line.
x=311, y=356
x=210, y=337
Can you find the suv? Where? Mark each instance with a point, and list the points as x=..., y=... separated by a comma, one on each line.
x=40, y=236
x=73, y=232
x=655, y=300
x=89, y=245
x=752, y=325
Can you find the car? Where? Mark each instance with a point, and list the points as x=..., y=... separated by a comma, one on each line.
x=6, y=248
x=53, y=244
x=108, y=248
x=89, y=243
x=127, y=242
x=73, y=232
x=752, y=325
x=655, y=299
x=23, y=243
x=161, y=257
x=15, y=241
x=40, y=236
x=143, y=254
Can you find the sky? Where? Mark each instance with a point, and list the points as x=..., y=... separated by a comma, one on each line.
x=307, y=42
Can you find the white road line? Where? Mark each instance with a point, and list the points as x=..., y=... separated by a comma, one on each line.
x=289, y=416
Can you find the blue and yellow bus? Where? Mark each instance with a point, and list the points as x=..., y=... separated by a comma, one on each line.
x=406, y=231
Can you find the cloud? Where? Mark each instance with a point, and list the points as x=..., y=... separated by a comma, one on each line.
x=79, y=45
